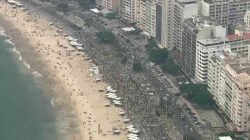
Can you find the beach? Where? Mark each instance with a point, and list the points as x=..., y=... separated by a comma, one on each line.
x=66, y=71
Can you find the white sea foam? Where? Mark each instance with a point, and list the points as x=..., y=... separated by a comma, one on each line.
x=52, y=102
x=10, y=42
x=2, y=32
x=37, y=74
x=15, y=50
x=18, y=53
x=20, y=58
x=26, y=64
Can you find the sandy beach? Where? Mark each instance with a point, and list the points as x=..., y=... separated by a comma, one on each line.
x=70, y=69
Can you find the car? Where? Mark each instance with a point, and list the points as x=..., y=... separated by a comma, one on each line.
x=191, y=130
x=183, y=116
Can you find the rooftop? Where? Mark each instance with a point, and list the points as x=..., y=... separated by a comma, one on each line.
x=217, y=41
x=245, y=36
x=187, y=1
x=240, y=68
x=199, y=21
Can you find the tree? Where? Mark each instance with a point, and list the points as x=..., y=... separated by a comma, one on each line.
x=158, y=55
x=239, y=138
x=137, y=66
x=105, y=36
x=198, y=94
x=86, y=4
x=110, y=15
x=170, y=67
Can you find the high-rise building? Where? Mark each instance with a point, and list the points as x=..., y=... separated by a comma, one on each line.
x=229, y=82
x=150, y=17
x=140, y=14
x=183, y=9
x=158, y=21
x=112, y=5
x=167, y=7
x=201, y=39
x=132, y=11
x=247, y=19
x=193, y=28
x=225, y=12
x=205, y=48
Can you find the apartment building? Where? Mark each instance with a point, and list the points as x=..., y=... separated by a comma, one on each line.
x=112, y=5
x=193, y=28
x=206, y=48
x=140, y=14
x=158, y=21
x=183, y=9
x=247, y=19
x=167, y=13
x=229, y=82
x=133, y=11
x=225, y=12
x=150, y=17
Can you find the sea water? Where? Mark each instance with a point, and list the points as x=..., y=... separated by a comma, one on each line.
x=26, y=113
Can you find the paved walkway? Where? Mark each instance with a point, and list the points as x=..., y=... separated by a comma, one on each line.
x=211, y=117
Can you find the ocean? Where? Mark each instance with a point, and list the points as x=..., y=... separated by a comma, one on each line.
x=26, y=112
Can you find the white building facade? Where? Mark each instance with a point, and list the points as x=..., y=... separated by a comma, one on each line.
x=229, y=82
x=225, y=12
x=247, y=19
x=112, y=5
x=183, y=9
x=206, y=48
x=167, y=7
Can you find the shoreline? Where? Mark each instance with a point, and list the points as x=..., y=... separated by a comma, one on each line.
x=31, y=61
x=69, y=76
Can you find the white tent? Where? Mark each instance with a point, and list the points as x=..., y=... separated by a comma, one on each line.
x=71, y=38
x=95, y=10
x=75, y=44
x=225, y=138
x=128, y=29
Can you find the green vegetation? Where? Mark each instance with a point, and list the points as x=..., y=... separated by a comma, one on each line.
x=110, y=16
x=198, y=94
x=160, y=57
x=63, y=7
x=86, y=4
x=105, y=36
x=137, y=66
x=170, y=67
x=156, y=54
x=239, y=138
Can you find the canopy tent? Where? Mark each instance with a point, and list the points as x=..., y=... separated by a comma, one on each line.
x=128, y=29
x=95, y=10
